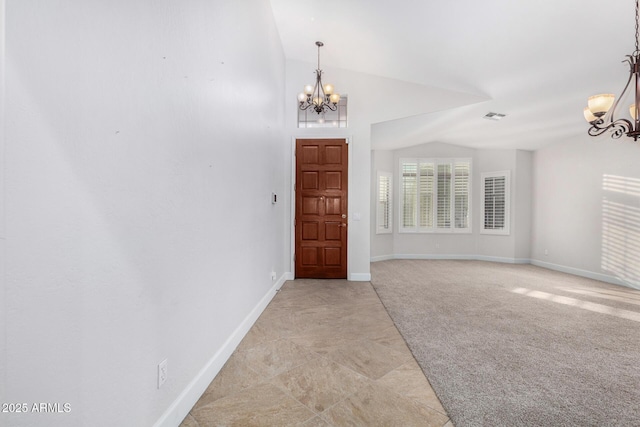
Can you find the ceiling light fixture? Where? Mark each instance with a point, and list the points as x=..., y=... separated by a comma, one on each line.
x=319, y=96
x=600, y=113
x=494, y=116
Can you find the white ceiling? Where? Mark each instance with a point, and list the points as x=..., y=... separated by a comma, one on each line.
x=537, y=61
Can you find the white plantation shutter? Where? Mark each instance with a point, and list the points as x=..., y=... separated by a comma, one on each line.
x=408, y=188
x=436, y=195
x=444, y=196
x=427, y=187
x=495, y=203
x=383, y=220
x=461, y=194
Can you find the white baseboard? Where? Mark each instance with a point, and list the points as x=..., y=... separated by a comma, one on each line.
x=360, y=277
x=354, y=277
x=504, y=260
x=179, y=409
x=433, y=256
x=452, y=256
x=382, y=258
x=583, y=273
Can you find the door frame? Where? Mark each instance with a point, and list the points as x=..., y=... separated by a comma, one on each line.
x=292, y=181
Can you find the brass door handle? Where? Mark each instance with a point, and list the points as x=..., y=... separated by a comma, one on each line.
x=342, y=225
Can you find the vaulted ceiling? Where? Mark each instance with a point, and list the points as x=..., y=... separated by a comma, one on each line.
x=536, y=62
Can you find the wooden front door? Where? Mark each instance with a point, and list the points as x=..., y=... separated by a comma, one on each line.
x=321, y=208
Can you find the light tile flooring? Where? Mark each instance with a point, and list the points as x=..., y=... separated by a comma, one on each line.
x=323, y=353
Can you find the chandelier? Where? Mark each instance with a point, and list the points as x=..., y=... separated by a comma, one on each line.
x=600, y=113
x=319, y=96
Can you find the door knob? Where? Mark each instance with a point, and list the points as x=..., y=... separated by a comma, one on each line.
x=343, y=225
x=344, y=216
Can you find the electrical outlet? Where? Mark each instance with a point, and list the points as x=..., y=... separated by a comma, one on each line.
x=162, y=372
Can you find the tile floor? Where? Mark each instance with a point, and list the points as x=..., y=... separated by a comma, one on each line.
x=323, y=353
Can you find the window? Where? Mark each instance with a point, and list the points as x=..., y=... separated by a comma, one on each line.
x=329, y=119
x=495, y=203
x=435, y=195
x=383, y=218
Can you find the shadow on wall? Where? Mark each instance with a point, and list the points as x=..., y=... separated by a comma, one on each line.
x=621, y=228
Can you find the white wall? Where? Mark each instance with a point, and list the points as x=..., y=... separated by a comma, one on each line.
x=522, y=204
x=143, y=141
x=382, y=161
x=3, y=298
x=586, y=210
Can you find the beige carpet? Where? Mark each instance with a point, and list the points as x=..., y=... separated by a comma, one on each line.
x=518, y=345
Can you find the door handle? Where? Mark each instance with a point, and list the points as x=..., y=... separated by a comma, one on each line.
x=342, y=225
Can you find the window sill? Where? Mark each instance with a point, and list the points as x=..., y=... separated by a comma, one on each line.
x=469, y=231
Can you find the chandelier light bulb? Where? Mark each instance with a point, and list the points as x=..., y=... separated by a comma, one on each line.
x=301, y=97
x=317, y=100
x=328, y=89
x=632, y=111
x=335, y=97
x=308, y=89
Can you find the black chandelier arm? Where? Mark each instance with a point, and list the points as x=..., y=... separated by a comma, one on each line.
x=595, y=131
x=320, y=108
x=331, y=106
x=612, y=113
x=621, y=127
x=618, y=128
x=305, y=105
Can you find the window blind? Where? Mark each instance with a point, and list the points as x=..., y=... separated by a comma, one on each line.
x=436, y=195
x=444, y=196
x=495, y=199
x=427, y=186
x=384, y=203
x=461, y=194
x=409, y=196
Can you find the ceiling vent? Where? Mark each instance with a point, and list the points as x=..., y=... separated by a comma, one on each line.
x=494, y=116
